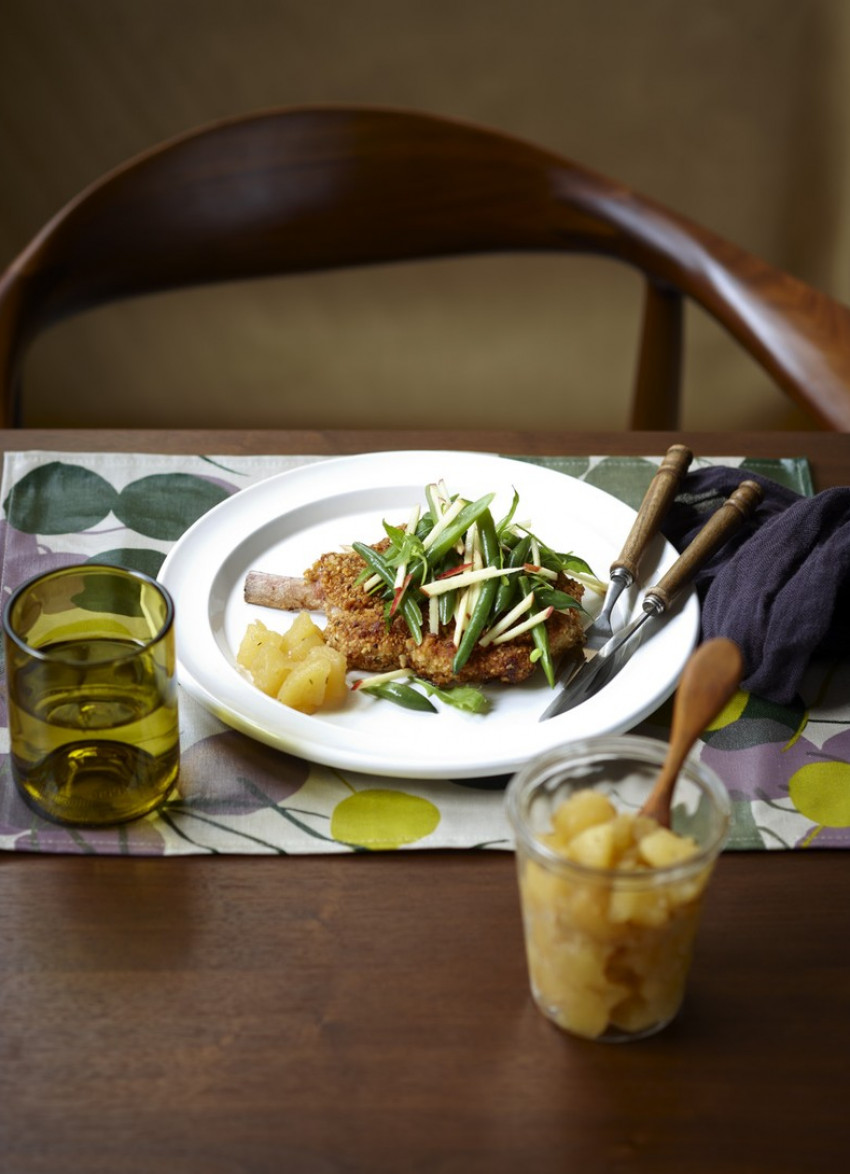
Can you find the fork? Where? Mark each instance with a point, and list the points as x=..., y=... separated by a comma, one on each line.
x=623, y=572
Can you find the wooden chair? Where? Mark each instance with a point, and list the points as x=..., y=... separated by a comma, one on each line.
x=306, y=189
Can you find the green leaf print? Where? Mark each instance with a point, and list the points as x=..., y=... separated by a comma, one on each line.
x=164, y=505
x=755, y=723
x=745, y=832
x=146, y=561
x=58, y=498
x=121, y=598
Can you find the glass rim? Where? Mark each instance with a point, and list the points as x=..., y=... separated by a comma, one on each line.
x=75, y=569
x=700, y=774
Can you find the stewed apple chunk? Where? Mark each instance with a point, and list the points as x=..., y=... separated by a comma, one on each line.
x=295, y=666
x=609, y=942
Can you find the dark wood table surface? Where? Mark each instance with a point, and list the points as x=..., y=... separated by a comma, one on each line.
x=371, y=1013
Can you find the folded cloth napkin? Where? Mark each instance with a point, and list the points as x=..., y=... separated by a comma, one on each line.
x=780, y=588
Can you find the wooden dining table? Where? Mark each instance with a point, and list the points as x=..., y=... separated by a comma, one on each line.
x=244, y=1014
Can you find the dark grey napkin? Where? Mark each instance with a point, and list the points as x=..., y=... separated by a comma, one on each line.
x=780, y=588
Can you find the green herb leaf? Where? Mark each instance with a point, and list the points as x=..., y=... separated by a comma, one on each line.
x=503, y=526
x=464, y=697
x=470, y=513
x=551, y=597
x=571, y=562
x=395, y=534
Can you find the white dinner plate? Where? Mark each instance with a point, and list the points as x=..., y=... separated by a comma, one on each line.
x=283, y=524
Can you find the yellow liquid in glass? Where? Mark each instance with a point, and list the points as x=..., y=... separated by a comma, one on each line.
x=95, y=731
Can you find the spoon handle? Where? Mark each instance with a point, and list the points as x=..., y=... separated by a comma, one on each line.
x=710, y=677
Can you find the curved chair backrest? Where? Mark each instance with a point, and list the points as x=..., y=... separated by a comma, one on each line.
x=307, y=189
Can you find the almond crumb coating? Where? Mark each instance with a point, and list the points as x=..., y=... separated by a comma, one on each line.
x=357, y=628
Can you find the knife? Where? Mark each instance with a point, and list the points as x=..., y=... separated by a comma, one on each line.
x=594, y=674
x=624, y=569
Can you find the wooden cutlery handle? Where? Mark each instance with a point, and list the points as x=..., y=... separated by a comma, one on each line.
x=657, y=500
x=718, y=529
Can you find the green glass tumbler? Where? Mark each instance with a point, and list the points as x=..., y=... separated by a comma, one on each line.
x=92, y=694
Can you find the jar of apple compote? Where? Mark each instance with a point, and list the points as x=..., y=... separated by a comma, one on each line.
x=610, y=899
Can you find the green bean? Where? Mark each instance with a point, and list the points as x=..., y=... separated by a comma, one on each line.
x=540, y=636
x=401, y=695
x=376, y=561
x=456, y=529
x=486, y=597
x=409, y=608
x=412, y=617
x=446, y=601
x=508, y=586
x=446, y=606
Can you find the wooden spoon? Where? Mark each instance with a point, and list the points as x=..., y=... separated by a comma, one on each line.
x=710, y=677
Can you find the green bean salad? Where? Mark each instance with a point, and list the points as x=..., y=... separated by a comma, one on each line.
x=453, y=566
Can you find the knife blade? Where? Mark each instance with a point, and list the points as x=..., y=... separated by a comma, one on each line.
x=594, y=674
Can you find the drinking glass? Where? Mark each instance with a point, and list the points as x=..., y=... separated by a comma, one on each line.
x=609, y=939
x=92, y=692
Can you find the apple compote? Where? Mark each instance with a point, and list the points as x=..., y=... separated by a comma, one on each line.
x=611, y=899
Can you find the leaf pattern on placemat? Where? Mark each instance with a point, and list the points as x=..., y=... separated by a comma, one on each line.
x=133, y=558
x=59, y=498
x=786, y=767
x=751, y=721
x=164, y=505
x=379, y=819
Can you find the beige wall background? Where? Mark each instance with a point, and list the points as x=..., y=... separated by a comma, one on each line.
x=734, y=113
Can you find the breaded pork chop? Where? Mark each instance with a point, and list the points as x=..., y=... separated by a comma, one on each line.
x=357, y=628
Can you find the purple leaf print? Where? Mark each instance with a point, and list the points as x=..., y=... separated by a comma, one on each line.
x=760, y=771
x=257, y=775
x=32, y=833
x=25, y=556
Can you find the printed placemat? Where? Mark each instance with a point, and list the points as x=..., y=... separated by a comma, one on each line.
x=786, y=768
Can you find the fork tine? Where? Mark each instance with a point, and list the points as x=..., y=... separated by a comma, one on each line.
x=600, y=630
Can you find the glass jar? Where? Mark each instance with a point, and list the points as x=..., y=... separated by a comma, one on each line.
x=610, y=917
